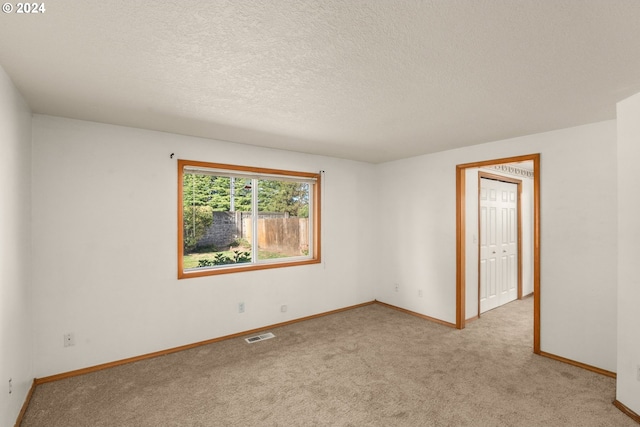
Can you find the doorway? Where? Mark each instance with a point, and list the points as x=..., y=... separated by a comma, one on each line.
x=461, y=234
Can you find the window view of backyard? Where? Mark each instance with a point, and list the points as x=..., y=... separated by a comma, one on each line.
x=233, y=219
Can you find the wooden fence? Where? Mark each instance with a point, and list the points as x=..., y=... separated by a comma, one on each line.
x=287, y=236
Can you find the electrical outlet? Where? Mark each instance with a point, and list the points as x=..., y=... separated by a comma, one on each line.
x=420, y=293
x=397, y=287
x=10, y=386
x=283, y=308
x=638, y=372
x=240, y=307
x=69, y=340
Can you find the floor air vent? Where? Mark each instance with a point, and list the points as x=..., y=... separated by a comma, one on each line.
x=257, y=338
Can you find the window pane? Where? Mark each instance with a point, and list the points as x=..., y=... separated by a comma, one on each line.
x=283, y=219
x=214, y=210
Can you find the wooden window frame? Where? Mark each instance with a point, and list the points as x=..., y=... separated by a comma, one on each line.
x=273, y=173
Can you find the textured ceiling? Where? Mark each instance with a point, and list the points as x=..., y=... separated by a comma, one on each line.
x=369, y=80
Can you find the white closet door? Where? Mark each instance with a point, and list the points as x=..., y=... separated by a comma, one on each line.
x=498, y=243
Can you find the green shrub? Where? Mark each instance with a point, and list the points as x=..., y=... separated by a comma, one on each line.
x=205, y=263
x=196, y=220
x=224, y=259
x=241, y=256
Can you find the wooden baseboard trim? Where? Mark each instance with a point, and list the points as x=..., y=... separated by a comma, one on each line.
x=471, y=319
x=108, y=365
x=579, y=364
x=625, y=410
x=25, y=405
x=413, y=313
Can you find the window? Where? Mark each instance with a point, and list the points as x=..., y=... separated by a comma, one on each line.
x=238, y=218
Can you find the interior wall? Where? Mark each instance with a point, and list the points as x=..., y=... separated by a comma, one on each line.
x=472, y=236
x=628, y=380
x=578, y=235
x=104, y=262
x=16, y=350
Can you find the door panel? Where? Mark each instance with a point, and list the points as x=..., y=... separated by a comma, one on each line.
x=513, y=276
x=492, y=278
x=492, y=229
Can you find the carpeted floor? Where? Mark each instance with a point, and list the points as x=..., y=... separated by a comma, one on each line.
x=371, y=366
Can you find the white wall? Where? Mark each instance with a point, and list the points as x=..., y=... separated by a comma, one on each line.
x=104, y=226
x=16, y=347
x=578, y=235
x=628, y=383
x=472, y=236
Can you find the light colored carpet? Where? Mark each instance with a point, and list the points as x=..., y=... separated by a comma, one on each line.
x=371, y=366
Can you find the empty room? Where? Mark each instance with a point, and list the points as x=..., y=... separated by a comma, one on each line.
x=320, y=213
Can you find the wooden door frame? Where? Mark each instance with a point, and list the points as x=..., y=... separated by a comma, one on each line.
x=518, y=183
x=461, y=241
